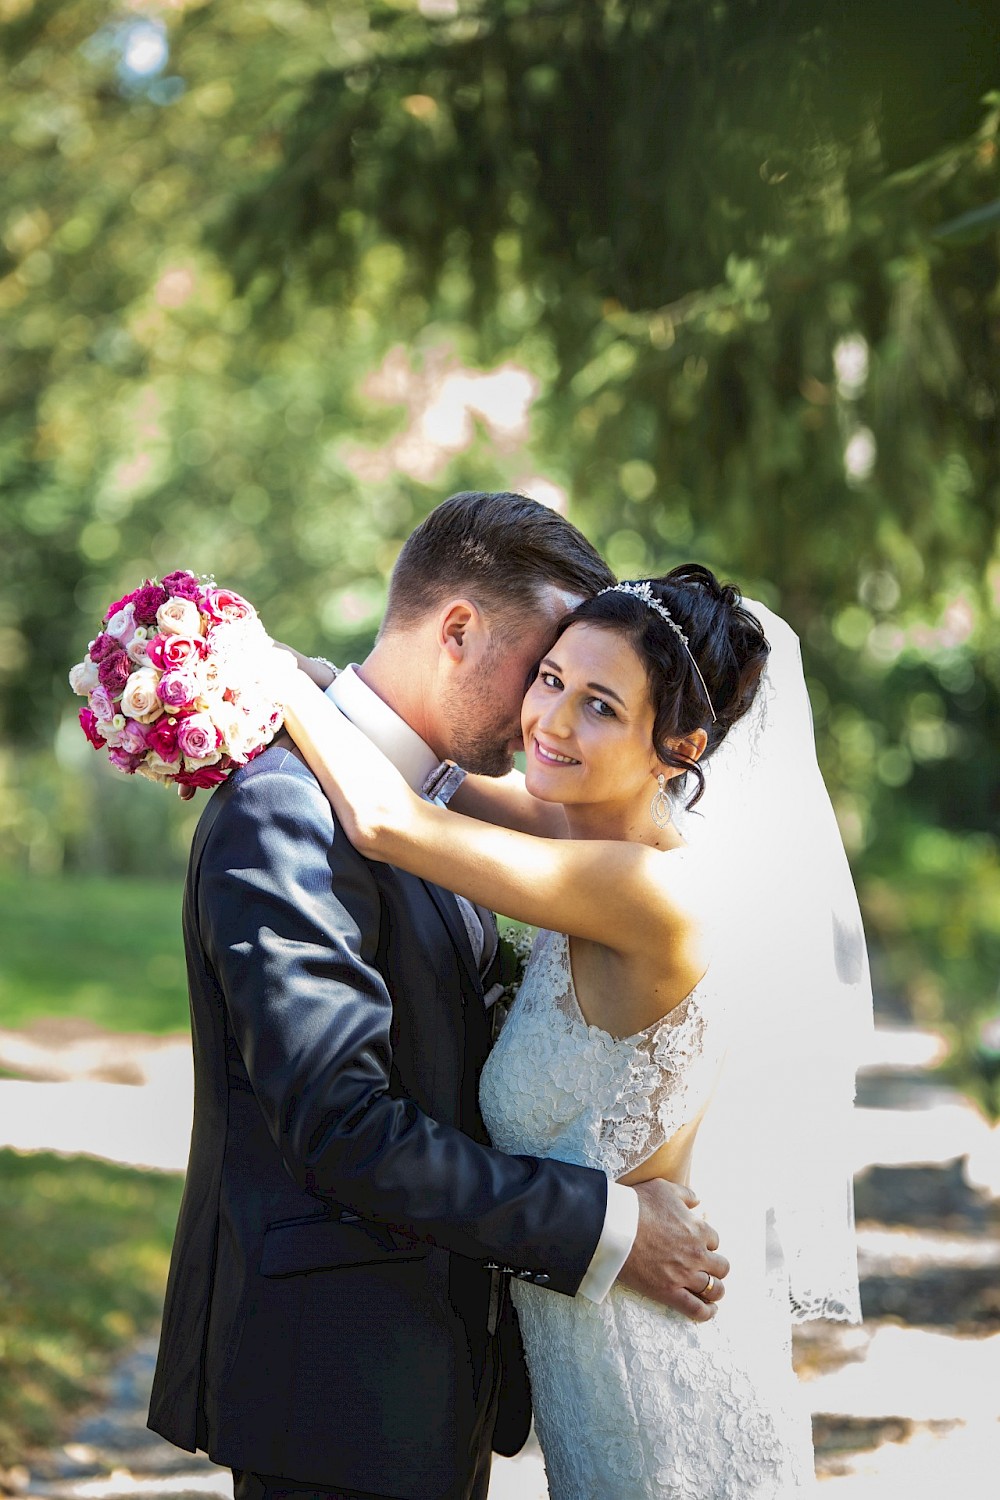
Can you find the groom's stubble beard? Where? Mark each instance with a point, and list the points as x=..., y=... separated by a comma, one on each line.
x=482, y=731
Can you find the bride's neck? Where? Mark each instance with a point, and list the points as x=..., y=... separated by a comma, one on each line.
x=621, y=823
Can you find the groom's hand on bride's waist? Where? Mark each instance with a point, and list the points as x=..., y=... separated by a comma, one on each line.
x=675, y=1258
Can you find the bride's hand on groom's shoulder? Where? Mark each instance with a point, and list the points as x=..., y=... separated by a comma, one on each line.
x=675, y=1258
x=280, y=668
x=291, y=678
x=317, y=668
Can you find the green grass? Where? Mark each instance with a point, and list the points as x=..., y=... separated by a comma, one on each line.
x=108, y=951
x=84, y=1248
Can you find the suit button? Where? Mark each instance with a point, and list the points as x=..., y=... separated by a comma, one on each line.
x=509, y=1271
x=541, y=1279
x=524, y=1275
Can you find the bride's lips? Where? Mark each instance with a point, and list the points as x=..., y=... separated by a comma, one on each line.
x=547, y=757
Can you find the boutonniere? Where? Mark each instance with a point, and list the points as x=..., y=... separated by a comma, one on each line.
x=514, y=951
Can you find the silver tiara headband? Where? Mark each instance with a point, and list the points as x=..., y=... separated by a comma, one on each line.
x=644, y=592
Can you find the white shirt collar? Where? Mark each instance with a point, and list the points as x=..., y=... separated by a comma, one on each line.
x=413, y=759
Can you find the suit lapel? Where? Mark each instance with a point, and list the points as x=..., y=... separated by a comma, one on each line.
x=452, y=918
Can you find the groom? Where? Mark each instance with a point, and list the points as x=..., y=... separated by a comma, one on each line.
x=337, y=1318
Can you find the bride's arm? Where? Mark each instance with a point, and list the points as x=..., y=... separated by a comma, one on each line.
x=614, y=893
x=506, y=801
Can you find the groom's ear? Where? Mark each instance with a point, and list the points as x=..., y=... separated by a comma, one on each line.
x=457, y=621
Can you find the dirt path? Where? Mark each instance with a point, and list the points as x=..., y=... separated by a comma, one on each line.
x=908, y=1405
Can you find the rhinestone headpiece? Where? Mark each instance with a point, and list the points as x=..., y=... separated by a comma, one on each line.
x=643, y=590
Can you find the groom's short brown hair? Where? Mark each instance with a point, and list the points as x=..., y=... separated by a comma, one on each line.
x=497, y=548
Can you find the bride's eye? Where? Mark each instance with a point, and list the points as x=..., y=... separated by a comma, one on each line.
x=549, y=679
x=602, y=710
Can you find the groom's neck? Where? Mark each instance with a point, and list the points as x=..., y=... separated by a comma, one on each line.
x=394, y=672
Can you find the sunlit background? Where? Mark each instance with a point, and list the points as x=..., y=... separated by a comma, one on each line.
x=716, y=281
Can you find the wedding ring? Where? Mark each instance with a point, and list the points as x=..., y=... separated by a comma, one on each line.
x=709, y=1284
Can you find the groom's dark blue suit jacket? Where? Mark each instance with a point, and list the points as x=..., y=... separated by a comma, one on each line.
x=327, y=1309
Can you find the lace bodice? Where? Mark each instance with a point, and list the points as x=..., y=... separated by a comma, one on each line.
x=633, y=1401
x=556, y=1086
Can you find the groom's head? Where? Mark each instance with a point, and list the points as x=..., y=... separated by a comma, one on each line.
x=480, y=587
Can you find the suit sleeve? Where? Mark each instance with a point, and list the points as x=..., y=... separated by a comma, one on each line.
x=289, y=915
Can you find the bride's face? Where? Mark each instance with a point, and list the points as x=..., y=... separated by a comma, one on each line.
x=588, y=720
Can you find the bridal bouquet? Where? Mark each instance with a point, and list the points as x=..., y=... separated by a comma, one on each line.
x=176, y=682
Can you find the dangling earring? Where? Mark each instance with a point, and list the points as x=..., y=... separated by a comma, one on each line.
x=659, y=809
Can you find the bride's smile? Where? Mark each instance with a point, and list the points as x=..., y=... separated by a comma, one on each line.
x=552, y=757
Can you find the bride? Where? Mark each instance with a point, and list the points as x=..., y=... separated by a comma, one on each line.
x=692, y=1005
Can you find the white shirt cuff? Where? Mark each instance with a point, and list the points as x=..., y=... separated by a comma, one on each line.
x=621, y=1225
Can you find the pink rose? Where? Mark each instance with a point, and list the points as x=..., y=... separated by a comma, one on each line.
x=182, y=585
x=114, y=731
x=88, y=723
x=167, y=653
x=136, y=647
x=122, y=624
x=197, y=737
x=100, y=702
x=205, y=776
x=123, y=761
x=178, y=689
x=161, y=738
x=114, y=672
x=223, y=606
x=133, y=738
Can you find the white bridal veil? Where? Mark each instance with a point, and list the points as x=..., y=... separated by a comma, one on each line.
x=773, y=1159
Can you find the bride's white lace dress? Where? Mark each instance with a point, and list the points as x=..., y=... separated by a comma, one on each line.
x=632, y=1400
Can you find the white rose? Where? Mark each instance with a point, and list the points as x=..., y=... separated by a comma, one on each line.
x=84, y=677
x=239, y=732
x=224, y=716
x=206, y=676
x=227, y=643
x=219, y=710
x=122, y=624
x=139, y=699
x=138, y=647
x=211, y=681
x=179, y=617
x=212, y=759
x=155, y=769
x=158, y=769
x=246, y=702
x=239, y=745
x=111, y=730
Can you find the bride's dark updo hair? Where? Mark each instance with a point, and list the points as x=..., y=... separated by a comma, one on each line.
x=724, y=638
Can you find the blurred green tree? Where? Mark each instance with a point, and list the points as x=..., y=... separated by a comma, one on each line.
x=749, y=252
